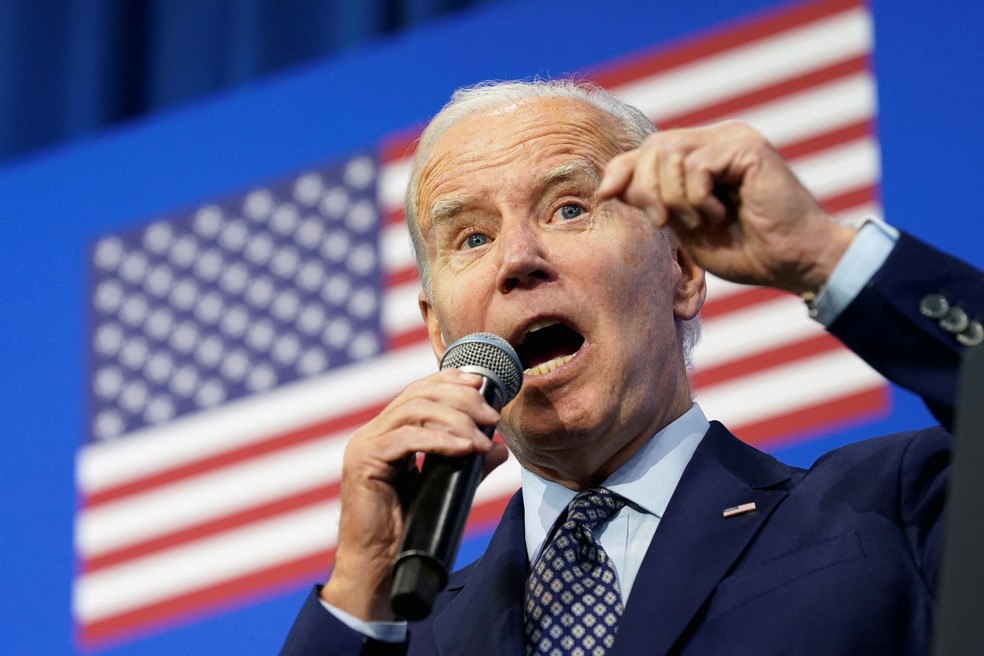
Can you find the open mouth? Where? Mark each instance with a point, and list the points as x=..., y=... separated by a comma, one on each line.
x=546, y=345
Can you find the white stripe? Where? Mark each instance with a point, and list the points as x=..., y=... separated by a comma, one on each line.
x=800, y=384
x=392, y=184
x=206, y=562
x=838, y=170
x=756, y=329
x=400, y=312
x=719, y=288
x=248, y=421
x=815, y=111
x=231, y=554
x=794, y=117
x=395, y=248
x=738, y=70
x=210, y=496
x=735, y=72
x=240, y=552
x=503, y=481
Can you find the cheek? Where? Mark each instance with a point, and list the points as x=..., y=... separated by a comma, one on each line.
x=461, y=306
x=643, y=305
x=642, y=276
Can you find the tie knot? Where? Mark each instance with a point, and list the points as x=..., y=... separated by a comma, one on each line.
x=592, y=507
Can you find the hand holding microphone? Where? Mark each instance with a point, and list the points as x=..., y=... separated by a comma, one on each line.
x=446, y=414
x=447, y=486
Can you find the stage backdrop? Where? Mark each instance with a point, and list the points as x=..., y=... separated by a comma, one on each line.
x=200, y=308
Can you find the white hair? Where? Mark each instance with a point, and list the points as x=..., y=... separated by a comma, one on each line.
x=634, y=124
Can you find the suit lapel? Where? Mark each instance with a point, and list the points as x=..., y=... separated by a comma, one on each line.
x=695, y=546
x=486, y=616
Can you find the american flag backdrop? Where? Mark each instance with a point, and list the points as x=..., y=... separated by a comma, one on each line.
x=235, y=347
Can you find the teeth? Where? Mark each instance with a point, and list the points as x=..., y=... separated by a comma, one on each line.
x=538, y=325
x=549, y=365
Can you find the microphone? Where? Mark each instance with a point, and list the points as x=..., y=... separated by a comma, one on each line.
x=437, y=516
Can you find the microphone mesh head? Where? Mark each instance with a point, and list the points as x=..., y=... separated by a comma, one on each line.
x=489, y=352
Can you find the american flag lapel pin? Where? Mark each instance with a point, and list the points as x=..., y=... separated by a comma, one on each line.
x=734, y=511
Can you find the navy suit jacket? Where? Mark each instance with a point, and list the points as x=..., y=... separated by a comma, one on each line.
x=842, y=558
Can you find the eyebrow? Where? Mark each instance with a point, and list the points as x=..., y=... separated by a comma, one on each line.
x=567, y=170
x=446, y=208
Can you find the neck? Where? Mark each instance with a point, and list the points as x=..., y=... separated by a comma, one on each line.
x=594, y=459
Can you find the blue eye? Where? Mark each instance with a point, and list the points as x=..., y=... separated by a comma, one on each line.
x=475, y=240
x=568, y=212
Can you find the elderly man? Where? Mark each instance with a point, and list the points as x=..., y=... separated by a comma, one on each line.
x=549, y=213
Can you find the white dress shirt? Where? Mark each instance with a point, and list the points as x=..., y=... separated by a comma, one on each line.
x=646, y=481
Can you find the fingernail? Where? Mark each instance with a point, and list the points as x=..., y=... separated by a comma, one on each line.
x=655, y=215
x=689, y=219
x=603, y=187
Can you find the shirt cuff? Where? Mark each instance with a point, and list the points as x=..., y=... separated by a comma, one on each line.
x=869, y=250
x=381, y=631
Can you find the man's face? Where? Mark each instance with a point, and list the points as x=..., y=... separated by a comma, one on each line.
x=588, y=294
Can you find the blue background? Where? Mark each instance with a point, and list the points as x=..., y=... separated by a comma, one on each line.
x=928, y=61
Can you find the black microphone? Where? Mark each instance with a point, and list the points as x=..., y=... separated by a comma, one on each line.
x=437, y=516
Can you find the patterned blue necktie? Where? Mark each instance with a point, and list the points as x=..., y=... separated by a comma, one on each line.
x=573, y=600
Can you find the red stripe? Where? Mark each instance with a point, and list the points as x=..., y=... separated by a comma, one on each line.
x=824, y=417
x=719, y=39
x=404, y=276
x=230, y=594
x=302, y=571
x=393, y=215
x=274, y=443
x=850, y=199
x=740, y=300
x=763, y=95
x=399, y=145
x=735, y=105
x=817, y=143
x=205, y=529
x=407, y=338
x=289, y=576
x=488, y=511
x=758, y=362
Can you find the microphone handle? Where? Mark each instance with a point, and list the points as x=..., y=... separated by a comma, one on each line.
x=435, y=524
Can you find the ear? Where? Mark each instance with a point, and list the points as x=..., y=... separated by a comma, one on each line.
x=692, y=289
x=434, y=334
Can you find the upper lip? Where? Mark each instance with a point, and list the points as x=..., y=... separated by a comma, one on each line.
x=517, y=336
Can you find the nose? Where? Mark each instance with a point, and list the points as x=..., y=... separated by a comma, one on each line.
x=524, y=259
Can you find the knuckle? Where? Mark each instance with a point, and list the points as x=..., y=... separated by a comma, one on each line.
x=417, y=407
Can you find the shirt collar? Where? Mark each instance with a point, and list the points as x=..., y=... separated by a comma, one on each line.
x=647, y=480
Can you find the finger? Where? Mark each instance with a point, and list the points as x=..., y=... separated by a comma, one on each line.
x=673, y=189
x=617, y=175
x=702, y=189
x=435, y=415
x=384, y=456
x=445, y=390
x=644, y=189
